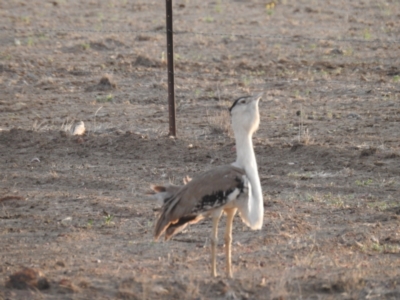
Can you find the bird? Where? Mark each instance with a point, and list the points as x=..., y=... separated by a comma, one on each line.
x=225, y=189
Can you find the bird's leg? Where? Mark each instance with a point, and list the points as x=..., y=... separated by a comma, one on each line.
x=214, y=242
x=230, y=214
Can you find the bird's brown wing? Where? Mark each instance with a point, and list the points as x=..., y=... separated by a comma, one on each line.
x=207, y=192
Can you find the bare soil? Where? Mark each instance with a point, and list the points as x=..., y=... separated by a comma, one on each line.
x=328, y=148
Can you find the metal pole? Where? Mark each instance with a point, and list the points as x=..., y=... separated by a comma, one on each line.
x=170, y=58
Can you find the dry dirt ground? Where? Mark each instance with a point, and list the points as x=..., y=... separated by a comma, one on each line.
x=328, y=146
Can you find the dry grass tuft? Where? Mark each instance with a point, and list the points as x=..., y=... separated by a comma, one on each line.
x=28, y=278
x=67, y=286
x=7, y=198
x=106, y=84
x=130, y=288
x=144, y=61
x=348, y=282
x=305, y=137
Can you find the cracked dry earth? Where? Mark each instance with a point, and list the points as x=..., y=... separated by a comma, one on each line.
x=328, y=148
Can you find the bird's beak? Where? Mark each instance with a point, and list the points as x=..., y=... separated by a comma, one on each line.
x=258, y=96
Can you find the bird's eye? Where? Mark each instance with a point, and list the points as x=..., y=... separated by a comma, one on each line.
x=238, y=102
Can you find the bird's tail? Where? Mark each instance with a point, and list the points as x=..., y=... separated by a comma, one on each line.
x=162, y=193
x=164, y=196
x=162, y=224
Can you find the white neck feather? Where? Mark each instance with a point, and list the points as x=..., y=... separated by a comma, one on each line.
x=253, y=213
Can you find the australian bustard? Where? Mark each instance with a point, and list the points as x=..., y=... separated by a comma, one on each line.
x=228, y=189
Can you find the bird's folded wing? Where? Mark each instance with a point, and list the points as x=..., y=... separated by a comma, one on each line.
x=210, y=190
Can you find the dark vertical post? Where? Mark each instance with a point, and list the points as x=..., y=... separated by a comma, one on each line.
x=170, y=58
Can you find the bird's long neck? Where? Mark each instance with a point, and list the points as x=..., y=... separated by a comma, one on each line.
x=246, y=160
x=244, y=150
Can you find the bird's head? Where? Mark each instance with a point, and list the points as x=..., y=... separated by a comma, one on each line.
x=245, y=115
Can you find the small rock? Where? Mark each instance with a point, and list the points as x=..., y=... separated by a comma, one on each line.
x=337, y=51
x=60, y=264
x=79, y=128
x=353, y=116
x=158, y=289
x=67, y=221
x=374, y=239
